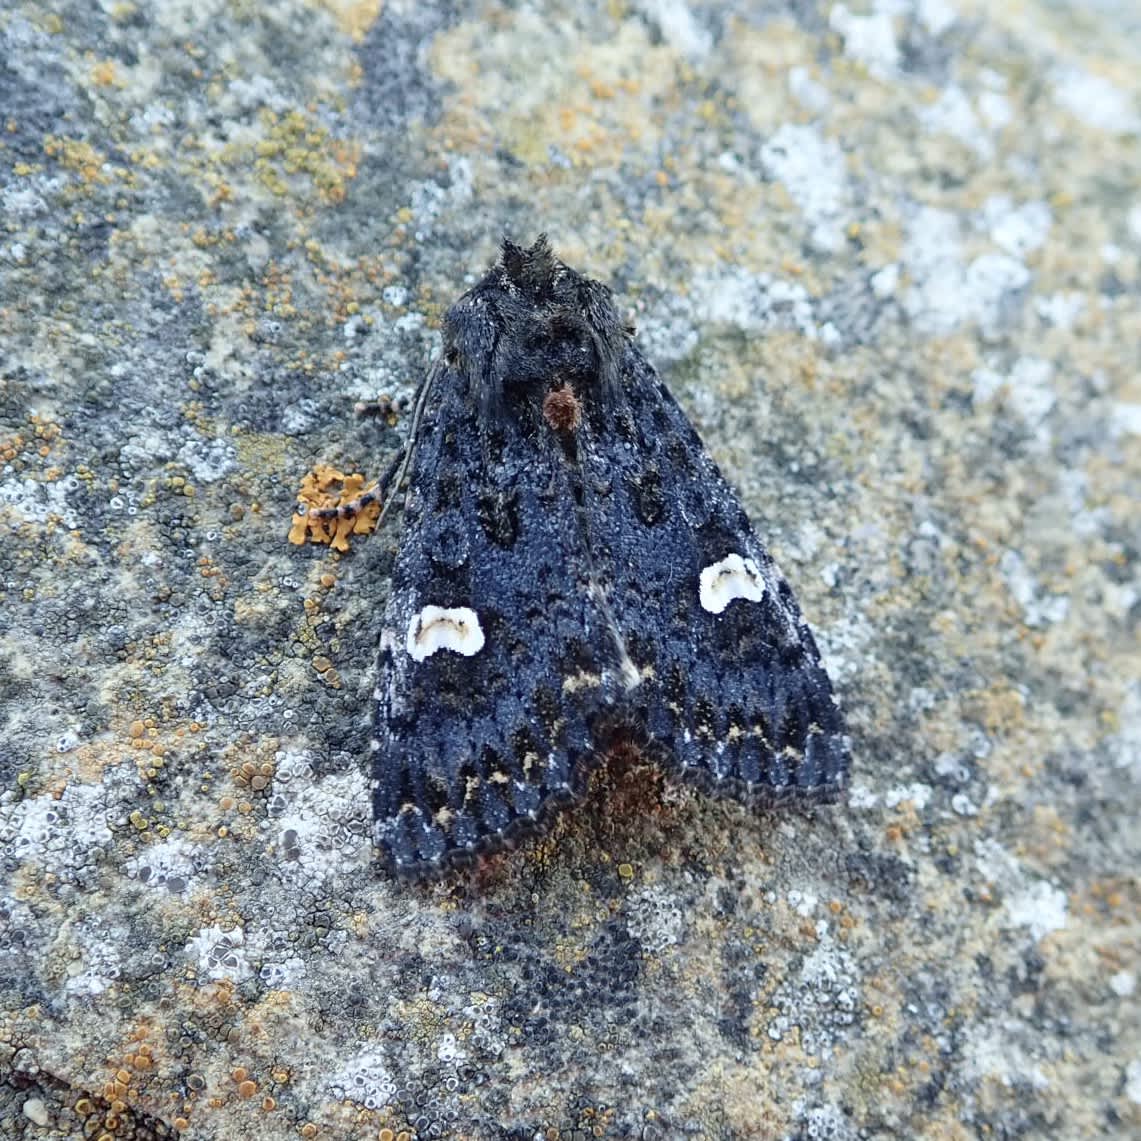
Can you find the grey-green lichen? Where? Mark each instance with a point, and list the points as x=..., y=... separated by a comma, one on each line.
x=889, y=257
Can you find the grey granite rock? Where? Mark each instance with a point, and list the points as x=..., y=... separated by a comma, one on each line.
x=887, y=254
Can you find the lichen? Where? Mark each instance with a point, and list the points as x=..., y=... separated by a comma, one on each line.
x=326, y=487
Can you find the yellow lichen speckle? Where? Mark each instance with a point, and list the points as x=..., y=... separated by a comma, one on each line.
x=103, y=73
x=317, y=493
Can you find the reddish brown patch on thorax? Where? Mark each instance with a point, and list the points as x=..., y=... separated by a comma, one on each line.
x=562, y=409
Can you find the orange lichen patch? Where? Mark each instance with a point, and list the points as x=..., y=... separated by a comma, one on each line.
x=318, y=492
x=36, y=442
x=151, y=739
x=47, y=431
x=103, y=73
x=297, y=154
x=78, y=156
x=254, y=777
x=151, y=752
x=208, y=569
x=251, y=766
x=247, y=1087
x=353, y=16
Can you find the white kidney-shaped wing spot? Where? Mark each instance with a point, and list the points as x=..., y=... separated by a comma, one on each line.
x=732, y=577
x=438, y=628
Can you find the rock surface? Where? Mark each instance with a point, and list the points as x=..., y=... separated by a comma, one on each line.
x=887, y=255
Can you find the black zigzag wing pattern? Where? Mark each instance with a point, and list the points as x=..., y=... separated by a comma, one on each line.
x=573, y=567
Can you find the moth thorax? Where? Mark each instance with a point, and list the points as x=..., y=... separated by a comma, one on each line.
x=562, y=409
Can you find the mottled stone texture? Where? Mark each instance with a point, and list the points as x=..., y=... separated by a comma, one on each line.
x=887, y=254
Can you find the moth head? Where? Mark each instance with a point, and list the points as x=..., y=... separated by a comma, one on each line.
x=532, y=326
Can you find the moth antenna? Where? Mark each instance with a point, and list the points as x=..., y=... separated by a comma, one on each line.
x=410, y=447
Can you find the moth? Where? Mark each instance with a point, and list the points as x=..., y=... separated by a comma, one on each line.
x=574, y=572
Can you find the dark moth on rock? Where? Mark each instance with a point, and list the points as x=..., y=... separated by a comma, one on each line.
x=574, y=574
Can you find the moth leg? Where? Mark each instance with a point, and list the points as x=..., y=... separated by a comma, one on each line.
x=396, y=470
x=375, y=494
x=383, y=406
